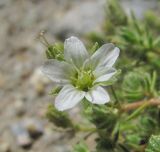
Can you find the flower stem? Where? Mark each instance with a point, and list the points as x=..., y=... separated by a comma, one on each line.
x=85, y=129
x=135, y=105
x=115, y=96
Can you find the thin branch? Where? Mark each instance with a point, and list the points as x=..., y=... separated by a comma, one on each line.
x=135, y=105
x=115, y=96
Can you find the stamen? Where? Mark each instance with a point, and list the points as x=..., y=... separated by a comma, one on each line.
x=83, y=80
x=74, y=66
x=43, y=39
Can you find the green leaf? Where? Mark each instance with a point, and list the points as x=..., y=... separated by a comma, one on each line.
x=154, y=144
x=137, y=112
x=95, y=47
x=115, y=12
x=81, y=147
x=139, y=84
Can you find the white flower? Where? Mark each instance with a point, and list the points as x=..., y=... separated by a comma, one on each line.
x=82, y=75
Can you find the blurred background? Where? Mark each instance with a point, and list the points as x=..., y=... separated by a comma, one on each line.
x=23, y=89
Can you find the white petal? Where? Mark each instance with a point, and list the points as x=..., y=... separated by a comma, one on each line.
x=100, y=55
x=97, y=95
x=75, y=51
x=68, y=97
x=111, y=58
x=103, y=74
x=57, y=71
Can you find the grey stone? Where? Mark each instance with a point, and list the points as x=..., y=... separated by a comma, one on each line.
x=19, y=107
x=38, y=81
x=22, y=136
x=139, y=7
x=34, y=127
x=4, y=147
x=82, y=18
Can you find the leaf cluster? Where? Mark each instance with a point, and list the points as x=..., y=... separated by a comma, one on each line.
x=139, y=41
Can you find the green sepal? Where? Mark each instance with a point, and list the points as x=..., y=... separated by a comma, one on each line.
x=55, y=51
x=55, y=90
x=60, y=119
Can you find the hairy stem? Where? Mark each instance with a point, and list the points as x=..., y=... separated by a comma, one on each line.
x=135, y=105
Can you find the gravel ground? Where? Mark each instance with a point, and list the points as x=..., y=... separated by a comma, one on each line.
x=23, y=89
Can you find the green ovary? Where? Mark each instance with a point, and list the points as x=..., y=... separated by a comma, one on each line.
x=83, y=80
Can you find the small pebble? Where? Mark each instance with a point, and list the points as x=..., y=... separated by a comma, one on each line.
x=19, y=107
x=34, y=127
x=4, y=147
x=22, y=136
x=38, y=81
